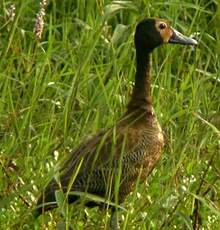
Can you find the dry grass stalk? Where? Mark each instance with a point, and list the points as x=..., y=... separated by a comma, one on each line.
x=10, y=12
x=39, y=25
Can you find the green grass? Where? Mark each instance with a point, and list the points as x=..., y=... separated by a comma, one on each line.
x=78, y=78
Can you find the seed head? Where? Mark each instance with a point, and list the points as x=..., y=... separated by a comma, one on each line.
x=39, y=24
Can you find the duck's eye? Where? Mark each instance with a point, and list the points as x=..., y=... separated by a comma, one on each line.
x=162, y=26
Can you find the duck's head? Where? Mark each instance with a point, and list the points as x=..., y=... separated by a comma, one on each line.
x=152, y=32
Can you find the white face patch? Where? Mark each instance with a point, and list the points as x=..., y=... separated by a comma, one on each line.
x=164, y=29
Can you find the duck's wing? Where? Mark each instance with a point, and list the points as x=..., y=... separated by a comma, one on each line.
x=92, y=154
x=103, y=148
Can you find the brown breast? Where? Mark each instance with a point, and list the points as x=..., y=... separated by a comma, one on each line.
x=143, y=157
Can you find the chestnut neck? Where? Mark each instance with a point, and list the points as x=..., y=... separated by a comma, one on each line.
x=141, y=96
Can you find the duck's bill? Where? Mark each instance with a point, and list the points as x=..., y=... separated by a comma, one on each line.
x=179, y=38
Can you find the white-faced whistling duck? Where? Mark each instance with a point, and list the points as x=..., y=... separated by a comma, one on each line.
x=114, y=159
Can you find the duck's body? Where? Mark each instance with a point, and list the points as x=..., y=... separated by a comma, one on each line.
x=141, y=149
x=115, y=159
x=131, y=148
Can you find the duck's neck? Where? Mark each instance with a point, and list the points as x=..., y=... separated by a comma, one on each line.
x=141, y=96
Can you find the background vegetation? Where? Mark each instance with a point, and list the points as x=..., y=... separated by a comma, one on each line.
x=78, y=78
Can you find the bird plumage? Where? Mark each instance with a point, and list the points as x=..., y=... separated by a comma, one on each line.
x=130, y=149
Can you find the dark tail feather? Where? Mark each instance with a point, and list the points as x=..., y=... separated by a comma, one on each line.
x=45, y=202
x=36, y=212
